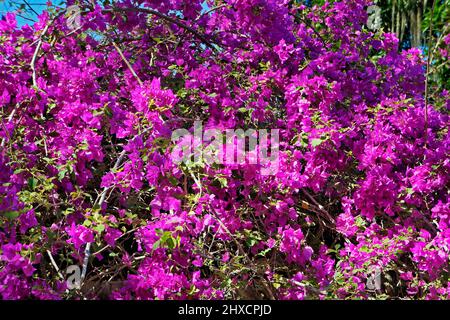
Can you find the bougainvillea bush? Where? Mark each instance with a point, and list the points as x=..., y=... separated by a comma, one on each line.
x=90, y=192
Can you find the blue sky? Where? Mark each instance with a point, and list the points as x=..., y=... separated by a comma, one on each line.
x=38, y=6
x=28, y=15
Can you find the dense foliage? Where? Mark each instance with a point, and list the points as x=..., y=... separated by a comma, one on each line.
x=85, y=161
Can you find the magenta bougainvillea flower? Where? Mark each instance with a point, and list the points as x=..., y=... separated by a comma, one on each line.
x=87, y=176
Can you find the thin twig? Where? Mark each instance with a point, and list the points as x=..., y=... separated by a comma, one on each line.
x=438, y=42
x=54, y=264
x=319, y=206
x=10, y=117
x=99, y=202
x=180, y=24
x=312, y=28
x=242, y=251
x=211, y=10
x=36, y=52
x=121, y=236
x=26, y=2
x=26, y=18
x=130, y=67
x=238, y=244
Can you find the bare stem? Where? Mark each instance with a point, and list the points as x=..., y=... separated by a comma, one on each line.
x=98, y=202
x=35, y=55
x=163, y=16
x=242, y=251
x=54, y=264
x=127, y=63
x=319, y=206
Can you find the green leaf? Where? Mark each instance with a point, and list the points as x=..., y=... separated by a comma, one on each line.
x=171, y=243
x=61, y=174
x=11, y=215
x=316, y=142
x=32, y=183
x=99, y=228
x=223, y=182
x=173, y=181
x=156, y=244
x=264, y=252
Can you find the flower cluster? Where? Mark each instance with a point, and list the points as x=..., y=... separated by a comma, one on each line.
x=85, y=158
